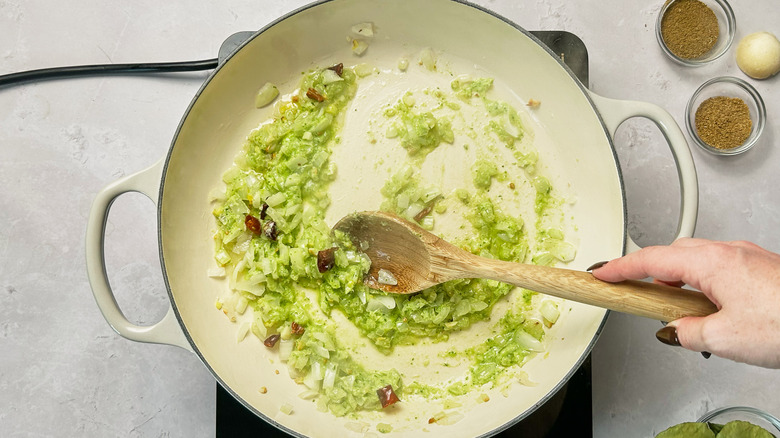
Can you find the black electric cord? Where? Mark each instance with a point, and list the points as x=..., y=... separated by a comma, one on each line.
x=105, y=69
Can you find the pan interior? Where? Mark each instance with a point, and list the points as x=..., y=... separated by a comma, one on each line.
x=574, y=149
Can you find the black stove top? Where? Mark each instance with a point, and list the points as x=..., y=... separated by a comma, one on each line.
x=567, y=413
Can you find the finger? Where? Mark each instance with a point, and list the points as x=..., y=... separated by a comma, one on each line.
x=667, y=264
x=744, y=244
x=689, y=332
x=690, y=242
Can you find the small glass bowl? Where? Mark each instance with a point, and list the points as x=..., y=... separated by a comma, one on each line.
x=727, y=25
x=744, y=413
x=727, y=86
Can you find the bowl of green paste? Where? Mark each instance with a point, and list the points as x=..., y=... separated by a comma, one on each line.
x=728, y=422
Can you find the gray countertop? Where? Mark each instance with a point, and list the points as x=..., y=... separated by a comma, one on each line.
x=64, y=372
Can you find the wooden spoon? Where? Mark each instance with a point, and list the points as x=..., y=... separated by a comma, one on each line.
x=416, y=259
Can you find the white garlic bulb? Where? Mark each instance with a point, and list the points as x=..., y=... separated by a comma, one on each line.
x=758, y=55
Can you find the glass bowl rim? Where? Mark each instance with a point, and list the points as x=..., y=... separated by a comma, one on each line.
x=771, y=419
x=731, y=26
x=759, y=123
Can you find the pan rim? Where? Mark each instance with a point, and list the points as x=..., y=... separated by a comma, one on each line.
x=521, y=416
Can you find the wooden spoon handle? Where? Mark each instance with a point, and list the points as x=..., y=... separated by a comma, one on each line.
x=651, y=300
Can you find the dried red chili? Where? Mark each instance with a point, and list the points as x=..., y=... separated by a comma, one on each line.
x=269, y=229
x=313, y=94
x=271, y=340
x=427, y=210
x=338, y=68
x=387, y=396
x=326, y=259
x=252, y=224
x=297, y=329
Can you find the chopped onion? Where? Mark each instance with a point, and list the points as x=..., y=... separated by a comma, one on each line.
x=403, y=64
x=549, y=311
x=243, y=330
x=323, y=124
x=275, y=200
x=285, y=349
x=364, y=29
x=218, y=272
x=427, y=222
x=317, y=371
x=392, y=132
x=255, y=289
x=364, y=69
x=241, y=305
x=382, y=303
x=450, y=418
x=319, y=159
x=242, y=243
x=326, y=341
x=386, y=277
x=330, y=76
x=525, y=340
x=428, y=59
x=321, y=351
x=286, y=408
x=295, y=162
x=402, y=201
x=565, y=251
x=258, y=329
x=266, y=94
x=359, y=46
x=257, y=277
x=286, y=332
x=311, y=381
x=330, y=375
x=525, y=380
x=461, y=80
x=308, y=394
x=430, y=194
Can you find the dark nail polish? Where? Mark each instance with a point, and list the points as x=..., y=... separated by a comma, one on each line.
x=668, y=335
x=706, y=354
x=596, y=265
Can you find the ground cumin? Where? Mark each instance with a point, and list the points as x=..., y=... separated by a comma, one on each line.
x=689, y=28
x=723, y=122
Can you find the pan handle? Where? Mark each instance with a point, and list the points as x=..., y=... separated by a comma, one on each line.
x=167, y=330
x=614, y=112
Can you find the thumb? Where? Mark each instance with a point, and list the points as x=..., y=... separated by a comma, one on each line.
x=689, y=332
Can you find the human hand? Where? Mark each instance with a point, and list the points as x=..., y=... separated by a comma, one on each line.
x=741, y=278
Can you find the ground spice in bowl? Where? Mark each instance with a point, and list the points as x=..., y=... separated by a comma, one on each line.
x=723, y=122
x=689, y=28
